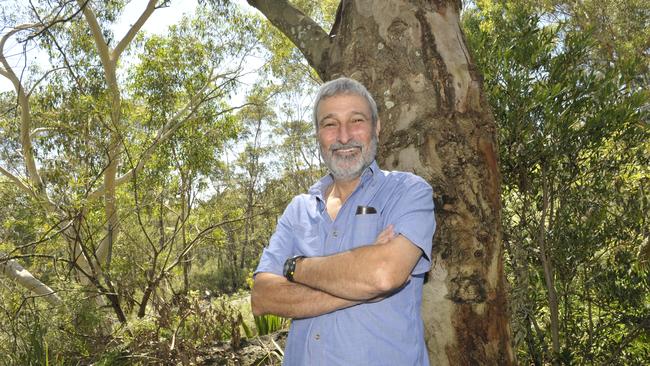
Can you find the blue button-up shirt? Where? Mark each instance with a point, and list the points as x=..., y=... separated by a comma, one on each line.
x=388, y=332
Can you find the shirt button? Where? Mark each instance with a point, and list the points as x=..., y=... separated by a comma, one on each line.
x=317, y=336
x=335, y=233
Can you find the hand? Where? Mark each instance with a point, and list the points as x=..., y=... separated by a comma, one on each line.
x=386, y=235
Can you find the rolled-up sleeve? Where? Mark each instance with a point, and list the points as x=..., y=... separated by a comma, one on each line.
x=281, y=246
x=413, y=217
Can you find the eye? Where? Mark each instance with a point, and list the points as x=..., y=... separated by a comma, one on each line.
x=328, y=123
x=358, y=119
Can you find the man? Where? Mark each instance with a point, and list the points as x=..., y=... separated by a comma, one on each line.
x=348, y=259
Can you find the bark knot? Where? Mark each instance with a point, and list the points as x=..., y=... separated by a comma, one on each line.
x=468, y=289
x=396, y=30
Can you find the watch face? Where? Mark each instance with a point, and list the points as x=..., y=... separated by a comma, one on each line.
x=290, y=267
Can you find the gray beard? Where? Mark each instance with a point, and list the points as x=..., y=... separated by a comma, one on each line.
x=349, y=168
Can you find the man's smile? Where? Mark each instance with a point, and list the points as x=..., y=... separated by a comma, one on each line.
x=347, y=151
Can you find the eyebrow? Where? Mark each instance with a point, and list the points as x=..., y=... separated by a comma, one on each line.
x=325, y=117
x=361, y=113
x=354, y=113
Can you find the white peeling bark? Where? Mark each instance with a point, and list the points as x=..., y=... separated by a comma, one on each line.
x=109, y=63
x=25, y=117
x=23, y=277
x=439, y=331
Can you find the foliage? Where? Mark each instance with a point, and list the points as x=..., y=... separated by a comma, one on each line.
x=209, y=180
x=267, y=324
x=182, y=331
x=193, y=220
x=34, y=334
x=619, y=28
x=573, y=146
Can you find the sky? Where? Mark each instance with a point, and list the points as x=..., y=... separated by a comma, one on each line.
x=158, y=23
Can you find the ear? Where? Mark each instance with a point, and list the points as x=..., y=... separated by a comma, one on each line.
x=378, y=127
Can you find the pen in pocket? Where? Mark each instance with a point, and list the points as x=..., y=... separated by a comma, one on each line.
x=365, y=210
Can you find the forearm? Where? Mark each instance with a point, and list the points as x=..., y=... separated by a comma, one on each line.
x=348, y=275
x=362, y=273
x=273, y=294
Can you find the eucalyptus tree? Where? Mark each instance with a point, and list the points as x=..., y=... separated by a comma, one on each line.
x=435, y=122
x=106, y=142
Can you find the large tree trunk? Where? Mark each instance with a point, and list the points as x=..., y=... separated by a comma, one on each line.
x=435, y=122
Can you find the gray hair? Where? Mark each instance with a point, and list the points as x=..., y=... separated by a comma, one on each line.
x=345, y=85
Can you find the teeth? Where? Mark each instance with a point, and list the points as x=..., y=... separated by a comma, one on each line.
x=346, y=151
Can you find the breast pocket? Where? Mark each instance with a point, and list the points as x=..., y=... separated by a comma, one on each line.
x=366, y=228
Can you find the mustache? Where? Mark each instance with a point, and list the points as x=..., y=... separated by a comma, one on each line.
x=352, y=144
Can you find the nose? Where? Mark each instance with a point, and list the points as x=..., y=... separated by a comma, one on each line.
x=345, y=134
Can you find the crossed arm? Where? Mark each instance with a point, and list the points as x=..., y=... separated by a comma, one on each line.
x=324, y=284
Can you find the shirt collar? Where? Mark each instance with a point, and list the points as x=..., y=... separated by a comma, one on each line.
x=371, y=173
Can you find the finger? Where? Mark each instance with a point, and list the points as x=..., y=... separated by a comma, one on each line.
x=386, y=235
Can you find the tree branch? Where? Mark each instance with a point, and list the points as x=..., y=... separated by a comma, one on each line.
x=7, y=71
x=4, y=73
x=17, y=181
x=121, y=46
x=13, y=270
x=36, y=131
x=100, y=42
x=25, y=114
x=163, y=135
x=304, y=32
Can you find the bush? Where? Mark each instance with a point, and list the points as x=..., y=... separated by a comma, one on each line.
x=219, y=280
x=180, y=332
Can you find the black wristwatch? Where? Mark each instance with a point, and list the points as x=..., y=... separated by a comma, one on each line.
x=290, y=267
